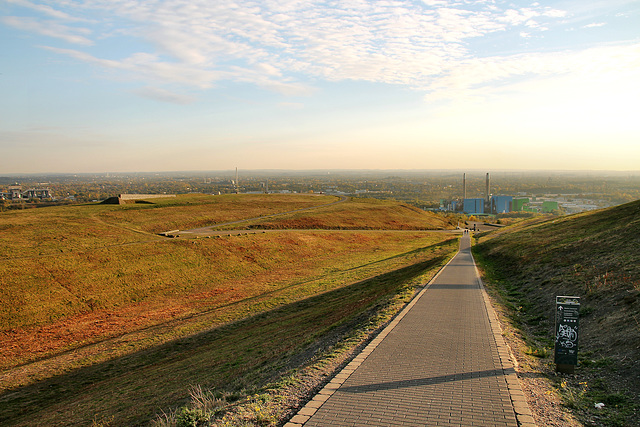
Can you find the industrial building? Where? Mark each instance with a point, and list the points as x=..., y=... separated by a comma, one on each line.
x=15, y=193
x=501, y=204
x=487, y=205
x=473, y=206
x=520, y=204
x=490, y=204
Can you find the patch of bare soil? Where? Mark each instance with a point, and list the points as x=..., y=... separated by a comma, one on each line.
x=32, y=354
x=42, y=341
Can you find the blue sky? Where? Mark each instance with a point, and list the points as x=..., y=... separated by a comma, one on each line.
x=124, y=85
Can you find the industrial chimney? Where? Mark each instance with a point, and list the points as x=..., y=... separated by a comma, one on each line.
x=488, y=185
x=464, y=186
x=237, y=186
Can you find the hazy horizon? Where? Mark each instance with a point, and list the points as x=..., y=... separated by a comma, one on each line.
x=368, y=85
x=472, y=172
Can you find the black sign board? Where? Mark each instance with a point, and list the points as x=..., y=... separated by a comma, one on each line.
x=566, y=354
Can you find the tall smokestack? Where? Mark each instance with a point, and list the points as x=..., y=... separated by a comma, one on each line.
x=464, y=186
x=488, y=184
x=237, y=186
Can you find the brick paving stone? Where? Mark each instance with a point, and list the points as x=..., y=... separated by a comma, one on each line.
x=440, y=364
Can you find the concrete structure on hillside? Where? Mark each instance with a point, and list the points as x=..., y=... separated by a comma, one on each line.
x=144, y=196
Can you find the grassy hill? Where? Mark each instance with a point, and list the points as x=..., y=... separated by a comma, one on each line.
x=595, y=256
x=357, y=214
x=102, y=319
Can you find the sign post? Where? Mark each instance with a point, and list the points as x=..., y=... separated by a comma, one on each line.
x=566, y=347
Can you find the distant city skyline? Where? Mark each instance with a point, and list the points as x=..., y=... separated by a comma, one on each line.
x=126, y=86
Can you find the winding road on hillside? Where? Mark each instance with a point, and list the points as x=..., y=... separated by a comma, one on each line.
x=210, y=229
x=213, y=230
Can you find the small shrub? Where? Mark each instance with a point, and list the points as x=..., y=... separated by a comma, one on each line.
x=541, y=352
x=187, y=417
x=205, y=400
x=103, y=422
x=573, y=397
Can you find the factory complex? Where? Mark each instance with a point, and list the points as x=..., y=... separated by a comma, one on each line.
x=490, y=204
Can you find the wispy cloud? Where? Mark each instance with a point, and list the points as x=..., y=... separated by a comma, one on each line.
x=159, y=94
x=281, y=45
x=476, y=78
x=49, y=28
x=47, y=10
x=148, y=67
x=595, y=25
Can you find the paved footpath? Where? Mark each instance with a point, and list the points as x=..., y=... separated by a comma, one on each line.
x=441, y=361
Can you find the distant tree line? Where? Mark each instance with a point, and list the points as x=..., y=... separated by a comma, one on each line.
x=423, y=189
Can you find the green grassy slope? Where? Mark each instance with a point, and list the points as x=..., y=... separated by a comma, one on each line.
x=593, y=255
x=101, y=318
x=357, y=214
x=65, y=261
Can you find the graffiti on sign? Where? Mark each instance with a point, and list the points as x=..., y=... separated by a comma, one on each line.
x=566, y=347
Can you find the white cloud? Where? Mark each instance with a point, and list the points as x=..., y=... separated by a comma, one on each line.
x=145, y=66
x=554, y=13
x=49, y=28
x=163, y=95
x=284, y=88
x=276, y=43
x=48, y=10
x=479, y=80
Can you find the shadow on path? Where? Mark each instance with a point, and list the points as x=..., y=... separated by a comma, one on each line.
x=426, y=381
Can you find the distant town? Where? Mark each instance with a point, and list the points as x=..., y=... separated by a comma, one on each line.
x=471, y=193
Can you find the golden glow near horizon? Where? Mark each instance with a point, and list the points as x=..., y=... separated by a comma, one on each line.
x=124, y=86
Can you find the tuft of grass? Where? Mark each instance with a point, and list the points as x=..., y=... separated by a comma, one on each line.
x=187, y=417
x=572, y=396
x=102, y=422
x=540, y=352
x=619, y=409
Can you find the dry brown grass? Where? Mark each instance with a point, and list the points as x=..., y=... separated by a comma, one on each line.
x=358, y=214
x=94, y=309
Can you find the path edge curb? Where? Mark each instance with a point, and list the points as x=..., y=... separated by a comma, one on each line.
x=523, y=413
